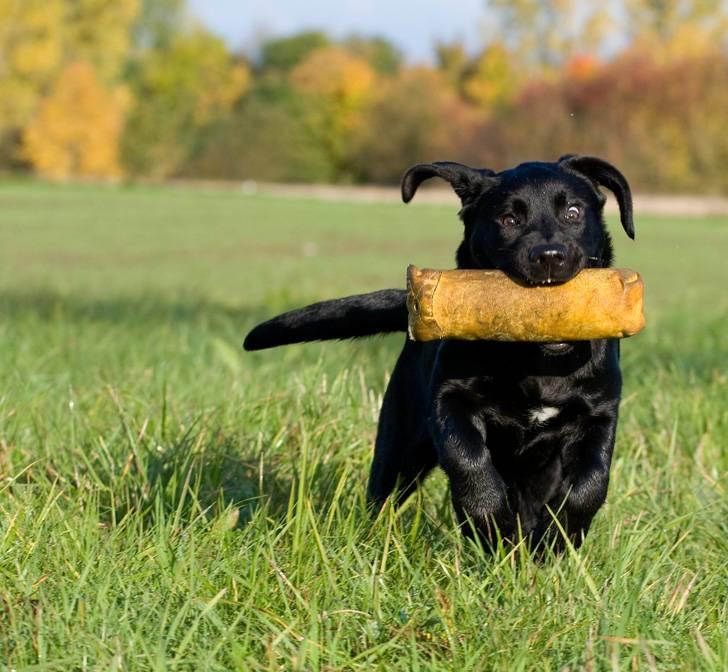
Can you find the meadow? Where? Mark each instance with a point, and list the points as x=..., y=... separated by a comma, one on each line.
x=169, y=502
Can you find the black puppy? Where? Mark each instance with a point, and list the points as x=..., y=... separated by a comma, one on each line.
x=523, y=431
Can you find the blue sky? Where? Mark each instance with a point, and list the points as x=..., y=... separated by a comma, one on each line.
x=413, y=26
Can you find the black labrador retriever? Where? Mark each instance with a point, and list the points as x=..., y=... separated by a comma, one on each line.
x=524, y=431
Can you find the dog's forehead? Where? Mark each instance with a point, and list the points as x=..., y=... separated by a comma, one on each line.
x=542, y=177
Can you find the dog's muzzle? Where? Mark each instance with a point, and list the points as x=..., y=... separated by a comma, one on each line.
x=550, y=264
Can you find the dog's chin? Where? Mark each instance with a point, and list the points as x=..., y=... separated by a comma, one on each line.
x=556, y=348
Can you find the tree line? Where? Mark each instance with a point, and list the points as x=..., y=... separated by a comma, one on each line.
x=133, y=88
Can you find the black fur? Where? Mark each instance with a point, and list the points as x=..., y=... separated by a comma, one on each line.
x=524, y=431
x=354, y=316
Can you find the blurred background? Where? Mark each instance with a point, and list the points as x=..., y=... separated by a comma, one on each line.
x=354, y=92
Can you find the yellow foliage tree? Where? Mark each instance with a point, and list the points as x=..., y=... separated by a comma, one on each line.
x=31, y=51
x=338, y=86
x=77, y=129
x=99, y=32
x=335, y=74
x=197, y=68
x=491, y=79
x=39, y=38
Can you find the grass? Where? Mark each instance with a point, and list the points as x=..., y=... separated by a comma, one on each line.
x=168, y=502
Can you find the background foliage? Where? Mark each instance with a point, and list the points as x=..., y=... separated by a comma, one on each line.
x=639, y=82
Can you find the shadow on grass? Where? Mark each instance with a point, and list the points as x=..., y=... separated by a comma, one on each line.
x=223, y=479
x=49, y=306
x=185, y=481
x=183, y=473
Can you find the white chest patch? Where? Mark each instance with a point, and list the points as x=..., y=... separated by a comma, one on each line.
x=543, y=414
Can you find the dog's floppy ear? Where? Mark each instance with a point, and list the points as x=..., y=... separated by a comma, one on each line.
x=605, y=174
x=468, y=183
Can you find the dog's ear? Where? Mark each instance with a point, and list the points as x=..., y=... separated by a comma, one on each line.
x=468, y=183
x=605, y=174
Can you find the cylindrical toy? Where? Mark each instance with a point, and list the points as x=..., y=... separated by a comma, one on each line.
x=488, y=305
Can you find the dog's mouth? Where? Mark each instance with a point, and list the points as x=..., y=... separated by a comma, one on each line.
x=550, y=277
x=545, y=282
x=546, y=277
x=548, y=281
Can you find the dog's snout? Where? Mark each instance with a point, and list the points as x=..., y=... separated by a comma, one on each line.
x=548, y=256
x=550, y=262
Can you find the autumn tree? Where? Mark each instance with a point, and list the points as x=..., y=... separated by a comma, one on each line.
x=379, y=52
x=31, y=52
x=677, y=28
x=413, y=118
x=77, y=128
x=99, y=32
x=39, y=38
x=491, y=79
x=177, y=92
x=545, y=33
x=666, y=18
x=336, y=87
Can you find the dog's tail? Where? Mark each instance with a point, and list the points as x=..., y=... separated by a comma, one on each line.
x=379, y=312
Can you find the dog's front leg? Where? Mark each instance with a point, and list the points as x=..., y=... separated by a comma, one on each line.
x=586, y=480
x=478, y=491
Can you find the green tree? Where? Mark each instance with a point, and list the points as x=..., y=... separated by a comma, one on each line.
x=379, y=52
x=287, y=52
x=491, y=79
x=159, y=22
x=337, y=87
x=267, y=136
x=452, y=60
x=177, y=92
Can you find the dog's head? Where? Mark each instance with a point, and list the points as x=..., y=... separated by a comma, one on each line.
x=540, y=223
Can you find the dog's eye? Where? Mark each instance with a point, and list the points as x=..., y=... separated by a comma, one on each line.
x=573, y=213
x=509, y=220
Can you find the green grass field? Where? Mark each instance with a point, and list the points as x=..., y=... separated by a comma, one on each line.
x=169, y=502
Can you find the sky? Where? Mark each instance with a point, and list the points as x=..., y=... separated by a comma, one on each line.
x=413, y=26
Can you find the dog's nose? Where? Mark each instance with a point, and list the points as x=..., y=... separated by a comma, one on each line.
x=548, y=256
